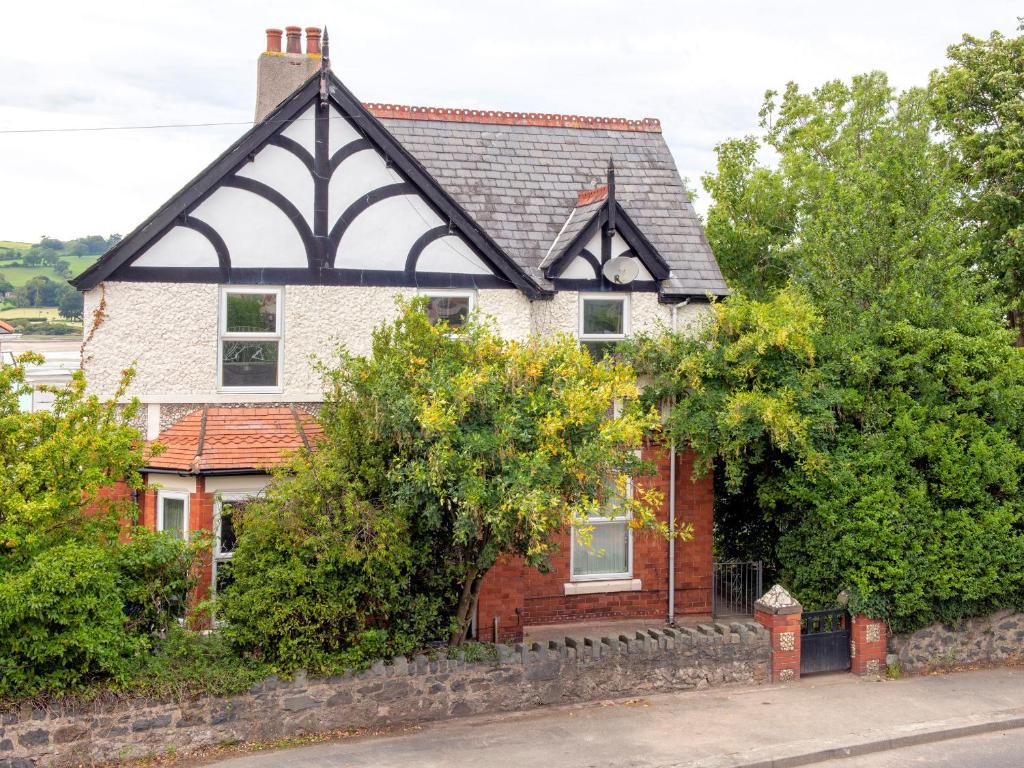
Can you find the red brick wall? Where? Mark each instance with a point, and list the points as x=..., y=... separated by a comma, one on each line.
x=200, y=519
x=869, y=645
x=785, y=632
x=541, y=598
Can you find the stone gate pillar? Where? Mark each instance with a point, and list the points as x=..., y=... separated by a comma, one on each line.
x=780, y=613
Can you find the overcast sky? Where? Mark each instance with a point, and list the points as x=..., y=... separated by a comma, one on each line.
x=702, y=67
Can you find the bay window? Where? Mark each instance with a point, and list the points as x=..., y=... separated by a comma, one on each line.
x=172, y=513
x=225, y=508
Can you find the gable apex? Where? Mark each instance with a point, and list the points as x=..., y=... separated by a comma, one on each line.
x=268, y=199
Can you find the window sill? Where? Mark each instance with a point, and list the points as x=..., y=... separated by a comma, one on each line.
x=598, y=587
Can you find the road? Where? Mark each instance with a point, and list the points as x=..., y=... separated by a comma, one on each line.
x=993, y=750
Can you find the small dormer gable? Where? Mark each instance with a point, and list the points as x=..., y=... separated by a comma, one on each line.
x=596, y=231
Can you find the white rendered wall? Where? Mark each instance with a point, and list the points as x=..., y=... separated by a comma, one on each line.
x=169, y=332
x=180, y=247
x=646, y=313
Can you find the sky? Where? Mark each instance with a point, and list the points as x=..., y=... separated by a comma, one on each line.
x=701, y=67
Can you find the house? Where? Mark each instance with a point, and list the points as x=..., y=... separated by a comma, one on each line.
x=7, y=333
x=303, y=232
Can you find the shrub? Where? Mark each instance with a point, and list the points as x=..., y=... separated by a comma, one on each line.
x=154, y=575
x=61, y=623
x=68, y=578
x=316, y=587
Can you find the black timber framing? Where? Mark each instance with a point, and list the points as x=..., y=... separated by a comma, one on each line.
x=640, y=246
x=386, y=278
x=319, y=244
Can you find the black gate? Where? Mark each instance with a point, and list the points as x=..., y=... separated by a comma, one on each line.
x=736, y=588
x=824, y=641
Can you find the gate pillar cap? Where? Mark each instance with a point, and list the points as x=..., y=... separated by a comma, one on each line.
x=778, y=601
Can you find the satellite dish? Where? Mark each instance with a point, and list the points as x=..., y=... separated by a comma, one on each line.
x=621, y=270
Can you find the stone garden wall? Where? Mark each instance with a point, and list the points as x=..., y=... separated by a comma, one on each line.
x=396, y=693
x=984, y=641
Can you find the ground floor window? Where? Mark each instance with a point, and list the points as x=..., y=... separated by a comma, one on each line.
x=226, y=506
x=609, y=553
x=172, y=513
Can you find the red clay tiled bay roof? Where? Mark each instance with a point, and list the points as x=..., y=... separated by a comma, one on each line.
x=213, y=439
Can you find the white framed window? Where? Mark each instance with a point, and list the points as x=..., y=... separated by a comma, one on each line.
x=172, y=513
x=249, y=352
x=609, y=554
x=454, y=306
x=604, y=321
x=224, y=509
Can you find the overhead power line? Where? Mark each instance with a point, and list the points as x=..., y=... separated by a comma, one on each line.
x=90, y=129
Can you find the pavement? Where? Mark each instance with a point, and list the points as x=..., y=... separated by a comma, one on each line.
x=817, y=719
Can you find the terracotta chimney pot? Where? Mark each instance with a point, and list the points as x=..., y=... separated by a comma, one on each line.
x=312, y=41
x=274, y=41
x=294, y=39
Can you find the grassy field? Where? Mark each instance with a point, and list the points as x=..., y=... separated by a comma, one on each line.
x=20, y=275
x=36, y=313
x=14, y=245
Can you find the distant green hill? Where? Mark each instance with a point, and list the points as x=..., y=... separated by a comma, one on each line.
x=19, y=275
x=20, y=262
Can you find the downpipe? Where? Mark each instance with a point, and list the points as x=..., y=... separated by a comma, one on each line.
x=672, y=498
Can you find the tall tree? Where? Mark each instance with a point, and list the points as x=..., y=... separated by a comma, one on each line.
x=752, y=220
x=979, y=102
x=873, y=409
x=471, y=446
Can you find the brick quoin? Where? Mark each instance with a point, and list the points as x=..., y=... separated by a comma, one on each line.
x=520, y=596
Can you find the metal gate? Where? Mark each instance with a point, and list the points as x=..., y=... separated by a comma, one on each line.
x=736, y=587
x=824, y=641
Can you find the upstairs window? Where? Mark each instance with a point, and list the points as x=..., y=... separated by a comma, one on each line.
x=452, y=307
x=250, y=339
x=604, y=321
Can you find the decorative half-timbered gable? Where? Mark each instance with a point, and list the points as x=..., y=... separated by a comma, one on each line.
x=301, y=235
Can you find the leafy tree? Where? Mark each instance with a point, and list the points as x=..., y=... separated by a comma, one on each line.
x=77, y=599
x=70, y=303
x=50, y=244
x=5, y=285
x=444, y=450
x=979, y=102
x=40, y=291
x=752, y=220
x=873, y=409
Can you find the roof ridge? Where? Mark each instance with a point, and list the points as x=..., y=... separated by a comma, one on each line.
x=498, y=117
x=588, y=196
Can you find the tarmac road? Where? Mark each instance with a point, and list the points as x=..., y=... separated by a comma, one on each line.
x=993, y=750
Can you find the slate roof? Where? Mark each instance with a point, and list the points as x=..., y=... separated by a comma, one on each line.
x=520, y=182
x=579, y=217
x=213, y=439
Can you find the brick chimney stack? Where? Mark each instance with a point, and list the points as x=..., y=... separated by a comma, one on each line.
x=279, y=73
